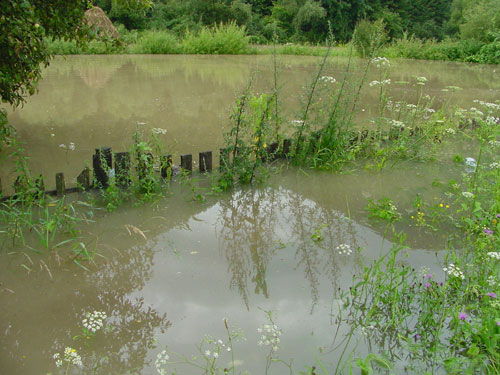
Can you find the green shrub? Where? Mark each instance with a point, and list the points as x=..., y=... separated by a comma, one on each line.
x=220, y=39
x=369, y=36
x=490, y=53
x=156, y=42
x=63, y=47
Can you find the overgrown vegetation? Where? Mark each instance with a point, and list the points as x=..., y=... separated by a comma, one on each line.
x=459, y=30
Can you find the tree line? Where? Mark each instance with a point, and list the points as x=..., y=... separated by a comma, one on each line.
x=313, y=20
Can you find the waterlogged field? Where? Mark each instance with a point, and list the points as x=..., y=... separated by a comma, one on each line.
x=387, y=261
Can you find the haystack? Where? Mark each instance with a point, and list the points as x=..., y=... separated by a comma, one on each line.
x=97, y=20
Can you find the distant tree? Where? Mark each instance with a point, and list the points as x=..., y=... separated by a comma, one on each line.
x=241, y=12
x=24, y=25
x=481, y=20
x=310, y=21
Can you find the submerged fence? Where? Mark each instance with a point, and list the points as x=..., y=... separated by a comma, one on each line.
x=117, y=166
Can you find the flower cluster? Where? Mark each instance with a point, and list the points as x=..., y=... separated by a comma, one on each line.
x=382, y=83
x=494, y=255
x=450, y=131
x=328, y=79
x=397, y=124
x=159, y=131
x=70, y=357
x=475, y=112
x=161, y=362
x=218, y=347
x=492, y=281
x=270, y=336
x=421, y=80
x=467, y=194
x=94, y=321
x=454, y=271
x=381, y=62
x=494, y=165
x=344, y=249
x=70, y=147
x=490, y=120
x=492, y=106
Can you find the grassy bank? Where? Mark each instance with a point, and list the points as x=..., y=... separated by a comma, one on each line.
x=232, y=40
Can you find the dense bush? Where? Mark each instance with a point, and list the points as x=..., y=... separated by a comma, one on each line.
x=369, y=37
x=156, y=42
x=221, y=39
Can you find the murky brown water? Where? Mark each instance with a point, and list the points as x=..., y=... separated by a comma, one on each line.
x=96, y=101
x=230, y=257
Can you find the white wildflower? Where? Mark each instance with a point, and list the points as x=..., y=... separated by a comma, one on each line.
x=494, y=143
x=450, y=131
x=475, y=112
x=490, y=120
x=159, y=131
x=382, y=83
x=344, y=249
x=397, y=124
x=492, y=281
x=495, y=165
x=207, y=353
x=381, y=62
x=454, y=271
x=70, y=357
x=494, y=255
x=298, y=122
x=328, y=79
x=62, y=145
x=421, y=80
x=94, y=321
x=71, y=146
x=161, y=362
x=467, y=194
x=270, y=337
x=216, y=355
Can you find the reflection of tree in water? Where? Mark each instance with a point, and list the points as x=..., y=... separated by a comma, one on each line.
x=317, y=257
x=248, y=221
x=133, y=325
x=253, y=222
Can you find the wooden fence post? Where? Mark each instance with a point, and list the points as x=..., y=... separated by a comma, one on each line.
x=60, y=185
x=102, y=163
x=165, y=165
x=83, y=179
x=122, y=168
x=287, y=144
x=205, y=161
x=187, y=162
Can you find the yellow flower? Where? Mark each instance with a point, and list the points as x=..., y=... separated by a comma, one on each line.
x=441, y=205
x=447, y=206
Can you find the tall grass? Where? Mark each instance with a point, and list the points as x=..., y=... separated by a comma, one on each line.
x=156, y=42
x=222, y=39
x=414, y=48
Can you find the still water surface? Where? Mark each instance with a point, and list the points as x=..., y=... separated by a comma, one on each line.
x=197, y=263
x=96, y=101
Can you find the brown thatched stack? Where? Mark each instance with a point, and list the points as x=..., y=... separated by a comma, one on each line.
x=97, y=20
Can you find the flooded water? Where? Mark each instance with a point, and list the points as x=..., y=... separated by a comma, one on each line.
x=194, y=264
x=96, y=101
x=170, y=271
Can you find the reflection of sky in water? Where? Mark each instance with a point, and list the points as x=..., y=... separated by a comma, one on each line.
x=191, y=282
x=232, y=257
